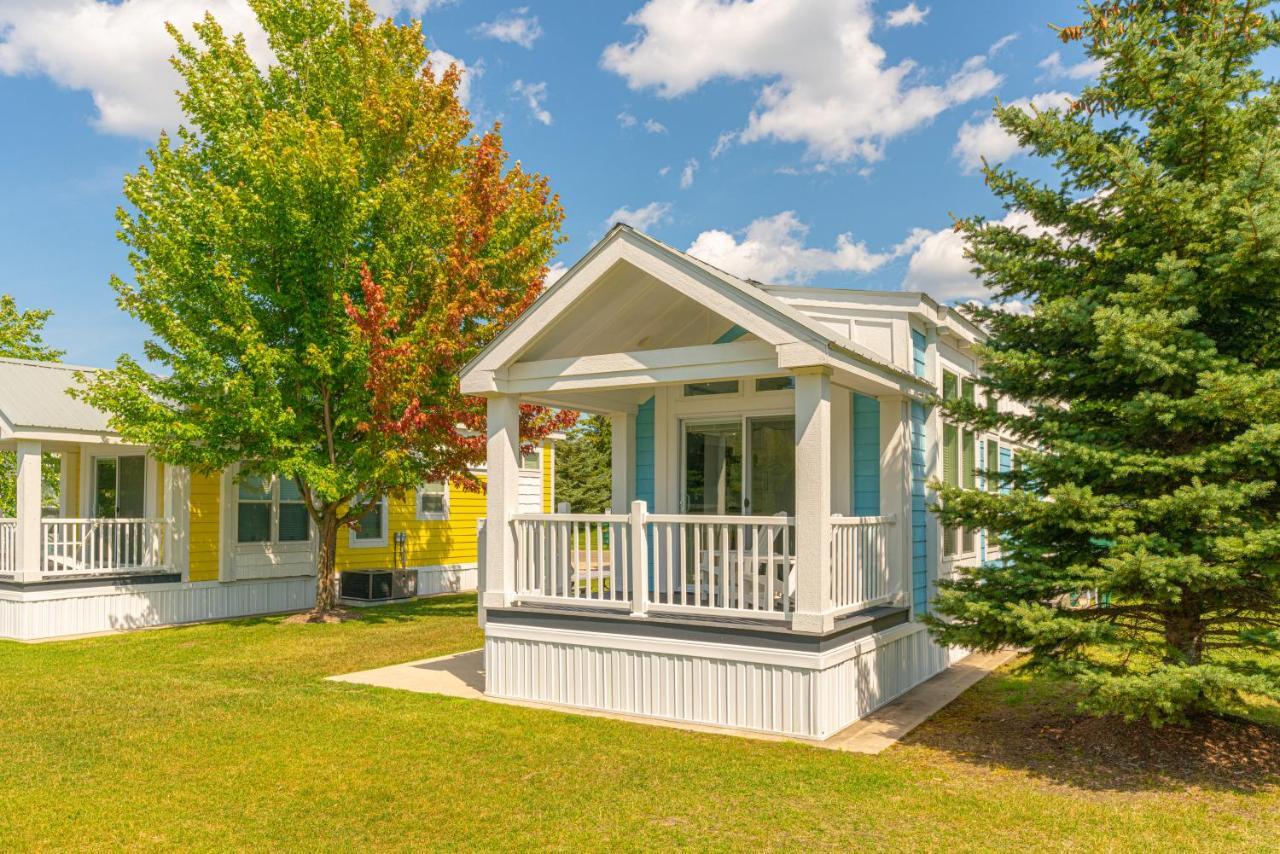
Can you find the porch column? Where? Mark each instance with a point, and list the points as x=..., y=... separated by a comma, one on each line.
x=813, y=500
x=27, y=539
x=177, y=507
x=502, y=499
x=623, y=460
x=895, y=488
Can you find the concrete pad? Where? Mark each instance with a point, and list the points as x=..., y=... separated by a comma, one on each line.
x=462, y=675
x=889, y=723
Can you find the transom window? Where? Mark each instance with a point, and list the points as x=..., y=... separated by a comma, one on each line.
x=775, y=383
x=703, y=389
x=271, y=510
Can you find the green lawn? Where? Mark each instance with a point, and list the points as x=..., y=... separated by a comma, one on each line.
x=226, y=736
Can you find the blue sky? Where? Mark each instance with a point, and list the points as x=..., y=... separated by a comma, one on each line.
x=847, y=129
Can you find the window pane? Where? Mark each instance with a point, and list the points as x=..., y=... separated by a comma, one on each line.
x=948, y=385
x=253, y=522
x=529, y=460
x=295, y=526
x=104, y=489
x=370, y=525
x=775, y=383
x=289, y=490
x=950, y=455
x=130, y=496
x=255, y=488
x=716, y=387
x=431, y=504
x=970, y=461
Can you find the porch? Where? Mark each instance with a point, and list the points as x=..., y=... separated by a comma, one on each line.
x=86, y=512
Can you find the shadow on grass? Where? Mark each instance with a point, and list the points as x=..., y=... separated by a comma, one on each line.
x=1018, y=721
x=457, y=605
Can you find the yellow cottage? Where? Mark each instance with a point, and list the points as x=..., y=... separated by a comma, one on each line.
x=121, y=541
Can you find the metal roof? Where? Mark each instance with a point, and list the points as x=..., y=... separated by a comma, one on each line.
x=34, y=395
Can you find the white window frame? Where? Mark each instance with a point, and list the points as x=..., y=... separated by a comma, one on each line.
x=275, y=544
x=431, y=517
x=371, y=543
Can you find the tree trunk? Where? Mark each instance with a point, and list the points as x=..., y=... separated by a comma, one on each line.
x=326, y=586
x=1184, y=633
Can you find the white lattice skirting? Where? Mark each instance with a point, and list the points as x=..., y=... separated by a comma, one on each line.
x=43, y=614
x=802, y=694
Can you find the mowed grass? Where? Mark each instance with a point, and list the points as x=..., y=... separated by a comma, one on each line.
x=226, y=736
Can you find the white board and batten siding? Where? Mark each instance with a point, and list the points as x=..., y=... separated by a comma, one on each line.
x=802, y=694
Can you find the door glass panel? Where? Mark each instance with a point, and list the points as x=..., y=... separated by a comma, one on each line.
x=713, y=468
x=104, y=487
x=131, y=483
x=773, y=466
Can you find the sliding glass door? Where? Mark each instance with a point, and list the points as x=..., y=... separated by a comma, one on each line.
x=743, y=466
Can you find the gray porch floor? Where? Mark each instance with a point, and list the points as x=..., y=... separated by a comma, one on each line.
x=462, y=675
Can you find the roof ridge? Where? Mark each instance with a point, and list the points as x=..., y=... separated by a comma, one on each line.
x=39, y=363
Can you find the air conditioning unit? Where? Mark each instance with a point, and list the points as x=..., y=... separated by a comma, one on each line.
x=377, y=585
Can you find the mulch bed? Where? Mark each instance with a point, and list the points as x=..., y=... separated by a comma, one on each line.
x=341, y=615
x=1049, y=741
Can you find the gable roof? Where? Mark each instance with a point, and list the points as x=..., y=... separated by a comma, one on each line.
x=35, y=396
x=785, y=321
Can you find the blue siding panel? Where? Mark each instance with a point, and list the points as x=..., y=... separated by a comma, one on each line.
x=982, y=485
x=917, y=352
x=866, y=456
x=1006, y=465
x=919, y=513
x=643, y=475
x=735, y=332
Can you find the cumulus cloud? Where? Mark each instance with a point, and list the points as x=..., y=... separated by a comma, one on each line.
x=938, y=265
x=824, y=82
x=686, y=174
x=773, y=249
x=533, y=94
x=1055, y=69
x=119, y=52
x=654, y=126
x=554, y=272
x=514, y=27
x=643, y=218
x=987, y=139
x=627, y=120
x=908, y=16
x=440, y=60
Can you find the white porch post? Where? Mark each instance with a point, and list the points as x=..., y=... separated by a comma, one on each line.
x=502, y=499
x=895, y=488
x=622, y=462
x=177, y=506
x=813, y=500
x=29, y=499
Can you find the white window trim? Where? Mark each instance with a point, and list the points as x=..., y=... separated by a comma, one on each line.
x=273, y=545
x=431, y=517
x=379, y=542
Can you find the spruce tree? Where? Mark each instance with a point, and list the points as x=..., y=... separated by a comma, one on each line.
x=584, y=474
x=1148, y=372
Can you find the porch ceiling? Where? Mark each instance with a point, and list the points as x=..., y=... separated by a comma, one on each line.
x=627, y=310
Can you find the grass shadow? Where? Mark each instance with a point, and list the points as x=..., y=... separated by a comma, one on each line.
x=1015, y=720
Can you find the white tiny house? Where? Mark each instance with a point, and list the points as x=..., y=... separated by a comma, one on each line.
x=769, y=550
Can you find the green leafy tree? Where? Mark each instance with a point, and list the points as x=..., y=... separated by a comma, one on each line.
x=22, y=337
x=317, y=253
x=584, y=466
x=1150, y=366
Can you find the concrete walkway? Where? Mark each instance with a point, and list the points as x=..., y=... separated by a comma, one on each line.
x=462, y=675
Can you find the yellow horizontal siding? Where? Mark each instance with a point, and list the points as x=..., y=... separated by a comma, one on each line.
x=203, y=530
x=429, y=542
x=548, y=475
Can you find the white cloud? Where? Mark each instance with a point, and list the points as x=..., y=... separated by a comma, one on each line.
x=119, y=52
x=1054, y=69
x=987, y=139
x=772, y=249
x=515, y=27
x=533, y=95
x=825, y=83
x=391, y=8
x=686, y=174
x=627, y=120
x=908, y=16
x=664, y=170
x=643, y=218
x=554, y=272
x=939, y=266
x=440, y=60
x=723, y=141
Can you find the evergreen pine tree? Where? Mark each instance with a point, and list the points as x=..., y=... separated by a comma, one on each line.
x=583, y=466
x=1149, y=368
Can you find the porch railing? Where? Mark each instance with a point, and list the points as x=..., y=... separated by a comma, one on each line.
x=860, y=573
x=694, y=564
x=8, y=547
x=74, y=547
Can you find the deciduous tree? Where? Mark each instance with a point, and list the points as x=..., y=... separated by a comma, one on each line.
x=317, y=252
